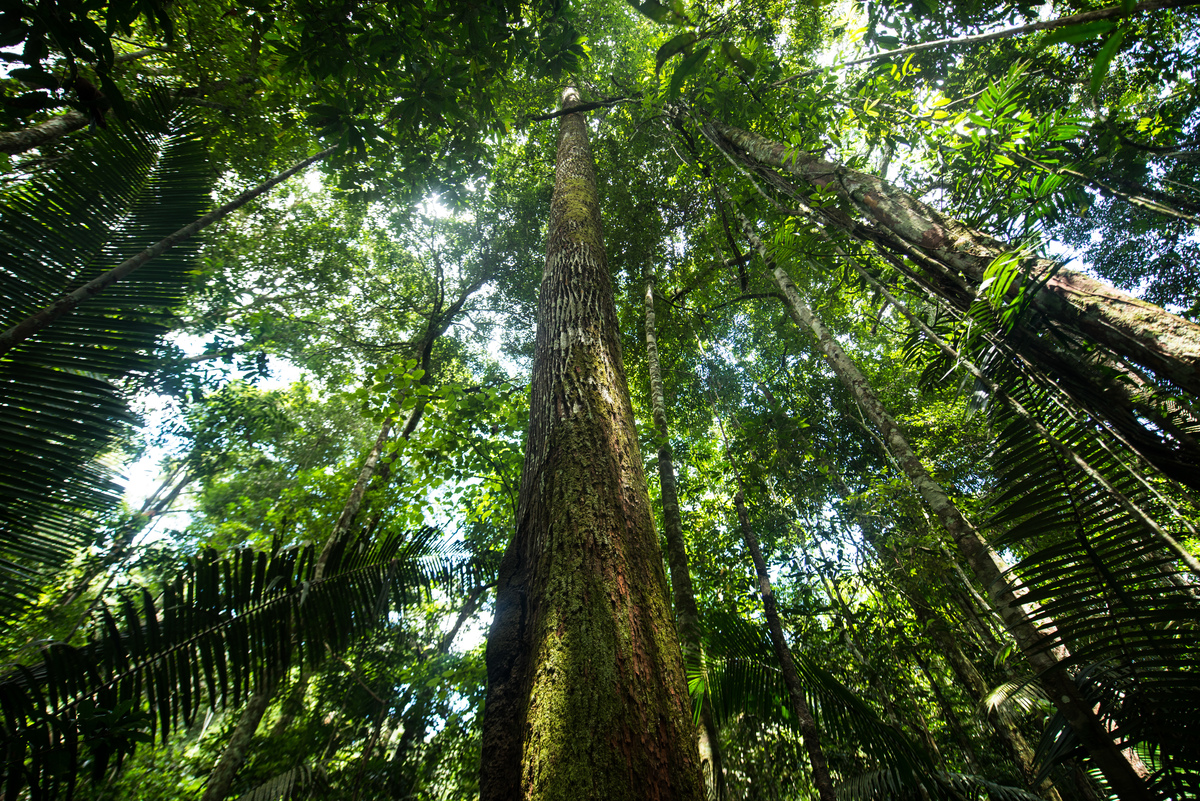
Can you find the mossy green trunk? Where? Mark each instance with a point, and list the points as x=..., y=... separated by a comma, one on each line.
x=587, y=697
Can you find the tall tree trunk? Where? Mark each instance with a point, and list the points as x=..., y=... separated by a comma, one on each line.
x=808, y=725
x=234, y=755
x=978, y=554
x=931, y=621
x=39, y=320
x=587, y=697
x=1147, y=334
x=687, y=617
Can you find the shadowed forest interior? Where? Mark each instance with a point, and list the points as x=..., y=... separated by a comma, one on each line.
x=599, y=399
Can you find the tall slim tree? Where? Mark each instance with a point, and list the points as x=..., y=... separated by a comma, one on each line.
x=687, y=615
x=975, y=550
x=586, y=689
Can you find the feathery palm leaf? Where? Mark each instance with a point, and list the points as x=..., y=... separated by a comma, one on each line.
x=221, y=629
x=885, y=784
x=298, y=782
x=60, y=397
x=1107, y=587
x=738, y=672
x=1104, y=585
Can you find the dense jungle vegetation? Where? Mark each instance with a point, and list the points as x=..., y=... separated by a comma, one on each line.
x=590, y=399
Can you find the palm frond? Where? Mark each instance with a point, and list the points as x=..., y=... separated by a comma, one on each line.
x=1024, y=695
x=224, y=627
x=739, y=673
x=886, y=785
x=1102, y=584
x=1099, y=563
x=302, y=779
x=60, y=397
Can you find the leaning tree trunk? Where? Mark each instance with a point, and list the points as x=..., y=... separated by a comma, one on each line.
x=1128, y=326
x=978, y=554
x=234, y=755
x=687, y=616
x=804, y=717
x=587, y=697
x=931, y=621
x=39, y=320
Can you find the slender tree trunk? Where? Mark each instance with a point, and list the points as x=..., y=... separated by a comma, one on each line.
x=687, y=616
x=983, y=561
x=808, y=725
x=354, y=500
x=587, y=697
x=40, y=320
x=1147, y=334
x=234, y=756
x=931, y=621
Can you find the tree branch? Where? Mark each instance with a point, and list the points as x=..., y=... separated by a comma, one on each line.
x=1112, y=12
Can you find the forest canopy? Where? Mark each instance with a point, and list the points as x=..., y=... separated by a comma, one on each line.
x=599, y=399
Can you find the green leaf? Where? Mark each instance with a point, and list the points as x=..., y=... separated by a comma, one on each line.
x=685, y=68
x=731, y=52
x=654, y=10
x=1074, y=34
x=1100, y=68
x=671, y=48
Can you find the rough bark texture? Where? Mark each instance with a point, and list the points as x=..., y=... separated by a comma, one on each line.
x=808, y=725
x=587, y=697
x=687, y=616
x=234, y=755
x=1165, y=343
x=978, y=554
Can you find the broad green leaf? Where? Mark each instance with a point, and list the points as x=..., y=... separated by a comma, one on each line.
x=1074, y=34
x=674, y=46
x=654, y=10
x=685, y=68
x=731, y=52
x=1100, y=68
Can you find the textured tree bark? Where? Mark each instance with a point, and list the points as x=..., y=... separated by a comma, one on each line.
x=1147, y=334
x=808, y=725
x=234, y=755
x=978, y=554
x=587, y=697
x=687, y=617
